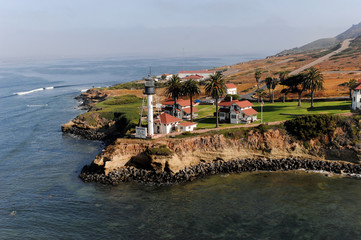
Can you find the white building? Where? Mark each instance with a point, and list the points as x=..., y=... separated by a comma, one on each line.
x=356, y=97
x=231, y=89
x=237, y=112
x=204, y=73
x=186, y=126
x=183, y=108
x=166, y=124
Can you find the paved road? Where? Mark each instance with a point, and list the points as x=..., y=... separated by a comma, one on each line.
x=345, y=44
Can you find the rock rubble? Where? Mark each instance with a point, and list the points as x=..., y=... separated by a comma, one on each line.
x=218, y=166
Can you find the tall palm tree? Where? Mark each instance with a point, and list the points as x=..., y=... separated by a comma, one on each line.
x=351, y=84
x=191, y=88
x=314, y=81
x=282, y=76
x=273, y=86
x=174, y=90
x=257, y=75
x=269, y=82
x=216, y=88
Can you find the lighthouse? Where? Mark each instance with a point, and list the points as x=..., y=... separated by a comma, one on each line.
x=150, y=91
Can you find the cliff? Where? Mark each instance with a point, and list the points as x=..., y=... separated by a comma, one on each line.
x=108, y=117
x=315, y=142
x=173, y=155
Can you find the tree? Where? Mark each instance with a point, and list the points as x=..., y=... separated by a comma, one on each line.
x=191, y=88
x=174, y=90
x=314, y=81
x=273, y=86
x=282, y=76
x=262, y=93
x=269, y=86
x=216, y=88
x=351, y=84
x=257, y=75
x=295, y=84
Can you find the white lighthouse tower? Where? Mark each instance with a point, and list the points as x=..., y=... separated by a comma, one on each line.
x=150, y=91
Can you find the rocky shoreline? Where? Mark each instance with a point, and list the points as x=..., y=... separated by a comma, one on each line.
x=218, y=166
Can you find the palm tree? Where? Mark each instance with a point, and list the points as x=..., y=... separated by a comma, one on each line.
x=351, y=84
x=174, y=90
x=191, y=88
x=295, y=84
x=314, y=81
x=269, y=81
x=257, y=75
x=282, y=76
x=216, y=88
x=273, y=86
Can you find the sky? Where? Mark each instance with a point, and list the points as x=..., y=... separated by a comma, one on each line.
x=169, y=28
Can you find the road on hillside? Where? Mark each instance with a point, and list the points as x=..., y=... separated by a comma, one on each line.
x=344, y=45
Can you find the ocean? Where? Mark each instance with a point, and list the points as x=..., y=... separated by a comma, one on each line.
x=41, y=196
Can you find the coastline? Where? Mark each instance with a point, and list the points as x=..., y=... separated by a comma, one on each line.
x=219, y=166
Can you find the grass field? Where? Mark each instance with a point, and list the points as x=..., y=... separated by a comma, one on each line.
x=128, y=105
x=274, y=112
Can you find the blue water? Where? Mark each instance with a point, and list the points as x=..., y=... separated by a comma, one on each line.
x=41, y=196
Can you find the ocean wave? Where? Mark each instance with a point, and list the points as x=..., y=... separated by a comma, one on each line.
x=34, y=90
x=37, y=105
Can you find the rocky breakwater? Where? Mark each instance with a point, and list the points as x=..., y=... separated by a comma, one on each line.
x=131, y=174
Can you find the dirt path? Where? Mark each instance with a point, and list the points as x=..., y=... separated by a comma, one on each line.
x=344, y=45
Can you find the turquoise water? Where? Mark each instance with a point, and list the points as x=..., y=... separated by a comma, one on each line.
x=41, y=196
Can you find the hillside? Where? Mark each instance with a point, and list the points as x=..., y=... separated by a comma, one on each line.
x=326, y=43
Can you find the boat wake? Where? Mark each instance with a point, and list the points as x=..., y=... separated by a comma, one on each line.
x=34, y=90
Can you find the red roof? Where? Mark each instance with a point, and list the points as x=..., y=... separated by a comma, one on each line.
x=181, y=102
x=195, y=77
x=166, y=118
x=186, y=124
x=243, y=104
x=358, y=87
x=249, y=111
x=226, y=103
x=231, y=85
x=188, y=110
x=199, y=71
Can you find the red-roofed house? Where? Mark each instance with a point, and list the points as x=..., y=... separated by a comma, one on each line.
x=356, y=96
x=166, y=123
x=194, y=77
x=203, y=73
x=237, y=112
x=231, y=89
x=183, y=108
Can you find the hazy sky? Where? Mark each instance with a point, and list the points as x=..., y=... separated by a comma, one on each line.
x=71, y=28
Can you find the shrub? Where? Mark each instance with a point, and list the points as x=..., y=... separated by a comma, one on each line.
x=159, y=151
x=311, y=126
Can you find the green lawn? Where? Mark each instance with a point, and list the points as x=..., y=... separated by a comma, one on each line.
x=127, y=105
x=273, y=112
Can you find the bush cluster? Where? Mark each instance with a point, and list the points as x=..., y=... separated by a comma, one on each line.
x=311, y=126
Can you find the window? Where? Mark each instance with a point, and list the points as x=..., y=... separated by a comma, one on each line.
x=221, y=114
x=234, y=116
x=354, y=99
